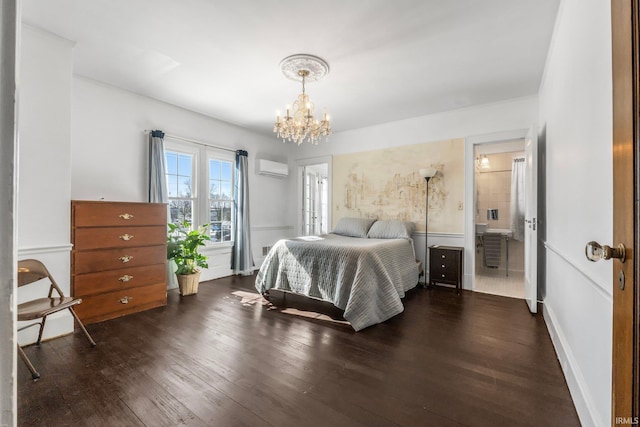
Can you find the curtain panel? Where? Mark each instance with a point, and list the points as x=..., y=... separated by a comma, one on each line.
x=241, y=256
x=517, y=199
x=157, y=168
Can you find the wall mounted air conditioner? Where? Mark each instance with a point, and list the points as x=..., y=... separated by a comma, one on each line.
x=267, y=167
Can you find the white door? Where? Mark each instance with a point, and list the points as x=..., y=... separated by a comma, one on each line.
x=531, y=226
x=315, y=199
x=309, y=192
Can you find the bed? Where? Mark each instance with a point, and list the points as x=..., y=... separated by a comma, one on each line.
x=363, y=267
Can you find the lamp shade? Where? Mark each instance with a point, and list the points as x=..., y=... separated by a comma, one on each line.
x=427, y=172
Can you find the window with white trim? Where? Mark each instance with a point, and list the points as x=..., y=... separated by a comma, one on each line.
x=220, y=199
x=200, y=187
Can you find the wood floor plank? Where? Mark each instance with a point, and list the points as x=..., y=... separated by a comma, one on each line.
x=227, y=357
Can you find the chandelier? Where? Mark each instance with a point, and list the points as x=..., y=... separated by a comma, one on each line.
x=299, y=124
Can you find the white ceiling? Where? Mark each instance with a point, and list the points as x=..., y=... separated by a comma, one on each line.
x=389, y=60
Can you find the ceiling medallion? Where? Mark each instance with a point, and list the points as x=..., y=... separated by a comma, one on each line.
x=302, y=126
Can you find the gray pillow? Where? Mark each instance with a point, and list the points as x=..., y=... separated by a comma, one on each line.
x=391, y=229
x=354, y=227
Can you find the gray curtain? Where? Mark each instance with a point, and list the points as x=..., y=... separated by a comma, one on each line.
x=242, y=257
x=157, y=168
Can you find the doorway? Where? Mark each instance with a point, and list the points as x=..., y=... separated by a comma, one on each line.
x=313, y=214
x=499, y=218
x=315, y=199
x=487, y=214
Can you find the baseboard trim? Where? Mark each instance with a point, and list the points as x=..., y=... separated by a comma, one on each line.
x=58, y=324
x=582, y=400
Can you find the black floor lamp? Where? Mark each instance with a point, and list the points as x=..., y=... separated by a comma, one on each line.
x=427, y=174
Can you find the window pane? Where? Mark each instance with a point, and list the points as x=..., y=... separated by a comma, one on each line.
x=226, y=171
x=214, y=169
x=184, y=164
x=214, y=189
x=216, y=232
x=184, y=186
x=173, y=186
x=225, y=190
x=172, y=162
x=226, y=211
x=181, y=210
x=226, y=231
x=215, y=212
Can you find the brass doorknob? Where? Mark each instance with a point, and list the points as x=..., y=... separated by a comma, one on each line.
x=595, y=252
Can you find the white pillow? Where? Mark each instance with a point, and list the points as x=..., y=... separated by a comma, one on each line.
x=391, y=229
x=354, y=227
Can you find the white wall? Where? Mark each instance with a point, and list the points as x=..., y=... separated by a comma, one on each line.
x=83, y=140
x=44, y=180
x=492, y=118
x=109, y=157
x=576, y=136
x=462, y=123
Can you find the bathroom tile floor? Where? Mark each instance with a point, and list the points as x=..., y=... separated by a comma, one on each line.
x=490, y=281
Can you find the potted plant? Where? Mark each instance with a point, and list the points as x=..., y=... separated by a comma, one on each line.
x=182, y=248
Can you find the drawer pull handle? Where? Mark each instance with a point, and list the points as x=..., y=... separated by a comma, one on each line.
x=442, y=265
x=126, y=237
x=443, y=256
x=443, y=275
x=125, y=300
x=126, y=216
x=125, y=278
x=128, y=258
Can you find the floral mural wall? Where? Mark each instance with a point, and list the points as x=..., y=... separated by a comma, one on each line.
x=386, y=184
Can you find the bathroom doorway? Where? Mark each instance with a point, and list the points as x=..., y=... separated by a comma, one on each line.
x=499, y=253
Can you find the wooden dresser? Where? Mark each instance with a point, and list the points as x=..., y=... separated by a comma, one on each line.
x=118, y=261
x=446, y=265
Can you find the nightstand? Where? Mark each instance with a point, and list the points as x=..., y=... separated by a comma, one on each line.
x=446, y=265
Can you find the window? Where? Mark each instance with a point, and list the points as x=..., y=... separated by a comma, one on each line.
x=200, y=187
x=220, y=199
x=180, y=185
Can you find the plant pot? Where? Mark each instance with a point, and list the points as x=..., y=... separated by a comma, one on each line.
x=188, y=283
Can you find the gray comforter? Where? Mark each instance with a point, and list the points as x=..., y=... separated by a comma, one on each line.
x=364, y=277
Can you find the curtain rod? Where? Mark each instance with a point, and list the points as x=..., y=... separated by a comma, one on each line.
x=193, y=141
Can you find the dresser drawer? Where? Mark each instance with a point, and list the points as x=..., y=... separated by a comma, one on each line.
x=118, y=237
x=110, y=259
x=113, y=280
x=444, y=274
x=445, y=260
x=97, y=214
x=109, y=305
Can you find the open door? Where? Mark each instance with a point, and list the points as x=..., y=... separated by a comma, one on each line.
x=531, y=226
x=625, y=24
x=315, y=199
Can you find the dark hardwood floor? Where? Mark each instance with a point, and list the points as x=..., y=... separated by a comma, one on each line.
x=223, y=358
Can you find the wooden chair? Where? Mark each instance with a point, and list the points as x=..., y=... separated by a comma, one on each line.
x=30, y=271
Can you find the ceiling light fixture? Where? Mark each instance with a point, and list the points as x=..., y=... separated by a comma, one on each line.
x=484, y=162
x=301, y=125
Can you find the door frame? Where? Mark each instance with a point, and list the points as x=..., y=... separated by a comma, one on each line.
x=470, y=195
x=300, y=164
x=10, y=13
x=625, y=35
